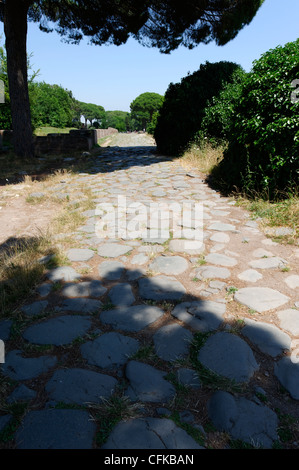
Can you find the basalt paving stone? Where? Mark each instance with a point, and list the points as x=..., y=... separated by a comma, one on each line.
x=161, y=288
x=210, y=272
x=21, y=368
x=109, y=350
x=58, y=331
x=80, y=254
x=221, y=227
x=21, y=393
x=44, y=289
x=287, y=372
x=289, y=320
x=172, y=342
x=250, y=275
x=268, y=263
x=243, y=419
x=36, y=308
x=5, y=327
x=228, y=355
x=149, y=433
x=121, y=295
x=80, y=305
x=111, y=270
x=80, y=386
x=191, y=247
x=221, y=260
x=268, y=338
x=132, y=318
x=169, y=265
x=113, y=250
x=56, y=429
x=63, y=273
x=188, y=377
x=84, y=289
x=203, y=315
x=220, y=237
x=292, y=281
x=260, y=299
x=147, y=383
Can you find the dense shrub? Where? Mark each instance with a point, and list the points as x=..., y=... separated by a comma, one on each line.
x=184, y=104
x=263, y=151
x=220, y=113
x=50, y=105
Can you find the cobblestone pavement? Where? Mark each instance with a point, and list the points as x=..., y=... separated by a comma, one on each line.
x=177, y=319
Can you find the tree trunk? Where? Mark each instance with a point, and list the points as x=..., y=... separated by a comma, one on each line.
x=15, y=28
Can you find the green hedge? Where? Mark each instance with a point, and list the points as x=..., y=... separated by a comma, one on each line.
x=263, y=151
x=184, y=105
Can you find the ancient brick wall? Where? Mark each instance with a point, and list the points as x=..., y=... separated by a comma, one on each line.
x=77, y=139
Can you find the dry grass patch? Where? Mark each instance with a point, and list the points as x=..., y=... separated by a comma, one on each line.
x=202, y=157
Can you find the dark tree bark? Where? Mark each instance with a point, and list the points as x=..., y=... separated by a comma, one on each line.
x=15, y=28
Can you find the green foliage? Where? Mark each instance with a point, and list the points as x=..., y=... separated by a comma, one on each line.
x=50, y=105
x=263, y=151
x=219, y=114
x=143, y=109
x=92, y=112
x=184, y=106
x=153, y=124
x=119, y=120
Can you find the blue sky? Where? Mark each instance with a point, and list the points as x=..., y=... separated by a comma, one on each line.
x=113, y=76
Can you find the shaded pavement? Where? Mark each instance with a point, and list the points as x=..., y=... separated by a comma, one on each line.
x=185, y=323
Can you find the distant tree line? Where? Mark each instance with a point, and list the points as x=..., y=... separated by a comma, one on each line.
x=54, y=106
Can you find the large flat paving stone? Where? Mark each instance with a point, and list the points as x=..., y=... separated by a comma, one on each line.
x=113, y=250
x=132, y=318
x=80, y=305
x=121, y=295
x=268, y=263
x=250, y=275
x=190, y=247
x=260, y=299
x=287, y=372
x=147, y=383
x=210, y=272
x=36, y=308
x=222, y=227
x=63, y=273
x=80, y=386
x=172, y=265
x=202, y=315
x=221, y=260
x=268, y=338
x=228, y=355
x=149, y=433
x=56, y=429
x=109, y=350
x=25, y=368
x=5, y=327
x=243, y=419
x=172, y=342
x=111, y=270
x=289, y=320
x=84, y=289
x=161, y=288
x=80, y=254
x=58, y=331
x=292, y=281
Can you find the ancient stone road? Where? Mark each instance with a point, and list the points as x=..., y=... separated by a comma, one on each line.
x=193, y=314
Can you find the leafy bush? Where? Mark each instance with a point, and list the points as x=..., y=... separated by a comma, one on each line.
x=263, y=151
x=184, y=105
x=50, y=105
x=219, y=115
